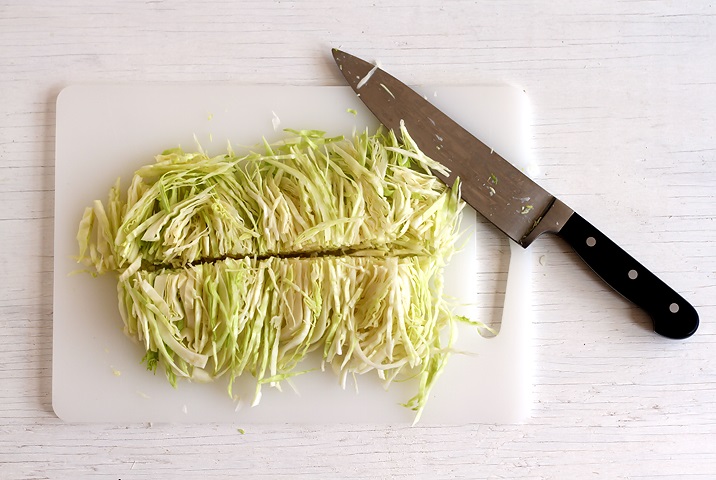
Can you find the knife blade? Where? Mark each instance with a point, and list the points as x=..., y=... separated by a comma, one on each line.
x=508, y=198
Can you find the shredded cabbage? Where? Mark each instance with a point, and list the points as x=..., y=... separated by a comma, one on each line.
x=230, y=265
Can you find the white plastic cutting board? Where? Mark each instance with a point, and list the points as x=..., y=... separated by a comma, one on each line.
x=107, y=131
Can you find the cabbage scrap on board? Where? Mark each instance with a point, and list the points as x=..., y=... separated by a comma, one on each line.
x=233, y=265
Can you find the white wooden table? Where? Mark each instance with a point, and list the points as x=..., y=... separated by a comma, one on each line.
x=624, y=99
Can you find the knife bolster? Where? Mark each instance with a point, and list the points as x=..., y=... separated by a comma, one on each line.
x=551, y=221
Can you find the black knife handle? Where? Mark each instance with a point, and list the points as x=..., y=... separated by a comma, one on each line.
x=673, y=316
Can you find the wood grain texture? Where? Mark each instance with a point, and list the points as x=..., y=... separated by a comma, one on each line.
x=624, y=100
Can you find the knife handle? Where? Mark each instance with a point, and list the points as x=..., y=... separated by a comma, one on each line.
x=673, y=316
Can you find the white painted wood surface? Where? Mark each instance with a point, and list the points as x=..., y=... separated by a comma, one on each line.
x=624, y=97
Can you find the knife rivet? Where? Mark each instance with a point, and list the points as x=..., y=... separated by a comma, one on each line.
x=674, y=307
x=591, y=241
x=633, y=274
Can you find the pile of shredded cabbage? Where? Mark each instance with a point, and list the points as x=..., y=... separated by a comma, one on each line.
x=244, y=264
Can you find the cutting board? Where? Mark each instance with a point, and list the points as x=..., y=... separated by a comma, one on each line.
x=108, y=131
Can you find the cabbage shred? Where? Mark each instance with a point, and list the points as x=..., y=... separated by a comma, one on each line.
x=231, y=264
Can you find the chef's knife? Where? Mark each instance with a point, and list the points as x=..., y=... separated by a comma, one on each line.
x=510, y=199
